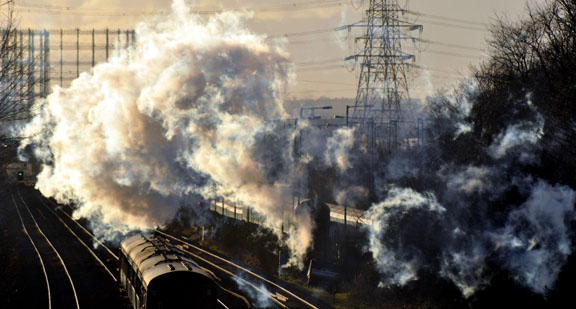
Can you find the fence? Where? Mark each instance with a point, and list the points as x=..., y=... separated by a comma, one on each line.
x=56, y=57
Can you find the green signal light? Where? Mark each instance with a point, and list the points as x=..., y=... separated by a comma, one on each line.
x=20, y=174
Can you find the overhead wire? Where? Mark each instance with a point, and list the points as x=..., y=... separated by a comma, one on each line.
x=304, y=42
x=436, y=73
x=359, y=5
x=68, y=10
x=326, y=64
x=324, y=82
x=444, y=18
x=437, y=23
x=447, y=53
x=323, y=68
x=320, y=91
x=447, y=44
x=319, y=62
x=434, y=42
x=426, y=68
x=303, y=33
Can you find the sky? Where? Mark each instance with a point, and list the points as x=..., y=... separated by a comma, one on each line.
x=456, y=32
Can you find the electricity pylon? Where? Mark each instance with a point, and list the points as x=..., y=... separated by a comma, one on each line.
x=382, y=86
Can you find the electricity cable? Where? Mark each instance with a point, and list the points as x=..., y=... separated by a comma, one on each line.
x=64, y=10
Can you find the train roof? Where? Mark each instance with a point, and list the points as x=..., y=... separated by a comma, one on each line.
x=153, y=258
x=353, y=216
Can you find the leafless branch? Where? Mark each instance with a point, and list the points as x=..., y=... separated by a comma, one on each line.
x=17, y=78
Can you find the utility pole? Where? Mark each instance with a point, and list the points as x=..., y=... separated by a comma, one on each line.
x=46, y=63
x=383, y=64
x=77, y=52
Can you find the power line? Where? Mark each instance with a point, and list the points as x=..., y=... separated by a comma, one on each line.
x=98, y=12
x=329, y=67
x=317, y=31
x=289, y=6
x=444, y=18
x=319, y=62
x=304, y=42
x=312, y=41
x=454, y=26
x=323, y=92
x=301, y=6
x=425, y=68
x=446, y=77
x=451, y=45
x=324, y=82
x=447, y=44
x=446, y=53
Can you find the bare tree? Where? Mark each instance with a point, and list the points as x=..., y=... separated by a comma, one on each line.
x=17, y=80
x=16, y=74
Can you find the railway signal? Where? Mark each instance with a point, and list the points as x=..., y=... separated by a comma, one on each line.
x=20, y=175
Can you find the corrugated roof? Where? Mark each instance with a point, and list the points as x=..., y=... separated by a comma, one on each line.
x=154, y=258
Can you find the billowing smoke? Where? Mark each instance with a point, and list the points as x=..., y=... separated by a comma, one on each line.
x=196, y=107
x=535, y=241
x=532, y=244
x=523, y=135
x=338, y=148
x=192, y=108
x=398, y=266
x=465, y=220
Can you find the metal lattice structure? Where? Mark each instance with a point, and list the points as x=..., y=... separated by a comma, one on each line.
x=383, y=86
x=56, y=57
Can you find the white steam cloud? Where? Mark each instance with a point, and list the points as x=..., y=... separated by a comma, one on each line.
x=190, y=109
x=259, y=295
x=494, y=216
x=535, y=242
x=523, y=135
x=338, y=148
x=397, y=267
x=471, y=180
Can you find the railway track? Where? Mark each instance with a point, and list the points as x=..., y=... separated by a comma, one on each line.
x=74, y=225
x=75, y=274
x=47, y=253
x=264, y=290
x=85, y=234
x=105, y=257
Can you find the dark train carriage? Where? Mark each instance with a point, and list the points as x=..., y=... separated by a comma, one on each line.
x=157, y=276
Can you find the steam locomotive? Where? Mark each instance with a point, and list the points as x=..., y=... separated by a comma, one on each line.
x=156, y=275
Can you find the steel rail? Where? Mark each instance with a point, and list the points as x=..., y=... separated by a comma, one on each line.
x=58, y=207
x=235, y=277
x=80, y=240
x=229, y=273
x=53, y=248
x=241, y=268
x=37, y=252
x=222, y=304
